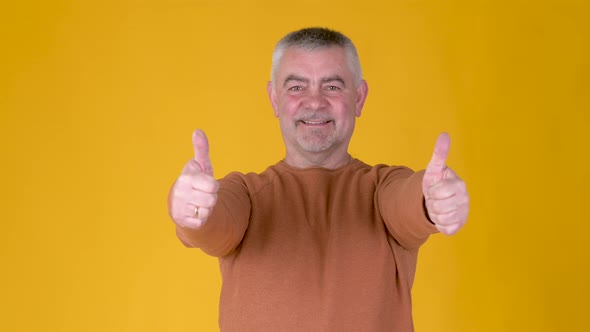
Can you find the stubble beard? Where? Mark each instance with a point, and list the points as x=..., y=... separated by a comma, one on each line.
x=316, y=141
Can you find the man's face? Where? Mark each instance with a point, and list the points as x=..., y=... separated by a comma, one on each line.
x=316, y=100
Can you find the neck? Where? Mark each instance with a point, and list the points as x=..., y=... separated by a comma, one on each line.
x=318, y=160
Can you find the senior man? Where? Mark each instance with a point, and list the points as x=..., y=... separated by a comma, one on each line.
x=320, y=240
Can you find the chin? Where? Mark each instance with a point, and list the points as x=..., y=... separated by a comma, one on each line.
x=315, y=145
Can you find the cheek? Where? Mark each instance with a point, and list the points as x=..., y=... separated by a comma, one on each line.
x=289, y=104
x=344, y=101
x=345, y=106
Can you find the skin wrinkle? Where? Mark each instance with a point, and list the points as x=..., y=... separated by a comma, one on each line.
x=299, y=79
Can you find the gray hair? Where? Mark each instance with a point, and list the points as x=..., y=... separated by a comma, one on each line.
x=314, y=38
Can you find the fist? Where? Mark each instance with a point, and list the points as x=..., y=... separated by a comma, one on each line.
x=194, y=194
x=445, y=194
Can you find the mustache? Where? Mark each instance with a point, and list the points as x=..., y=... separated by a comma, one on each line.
x=313, y=116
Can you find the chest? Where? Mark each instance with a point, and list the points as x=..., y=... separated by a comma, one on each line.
x=323, y=218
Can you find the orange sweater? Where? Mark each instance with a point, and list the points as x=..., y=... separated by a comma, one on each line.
x=316, y=249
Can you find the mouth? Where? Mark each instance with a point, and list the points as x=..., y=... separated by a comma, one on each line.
x=315, y=123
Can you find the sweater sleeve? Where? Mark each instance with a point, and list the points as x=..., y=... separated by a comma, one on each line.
x=401, y=203
x=225, y=228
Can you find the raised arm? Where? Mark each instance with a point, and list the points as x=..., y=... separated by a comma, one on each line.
x=194, y=194
x=209, y=214
x=415, y=205
x=445, y=194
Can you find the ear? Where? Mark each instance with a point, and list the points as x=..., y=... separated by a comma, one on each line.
x=273, y=97
x=361, y=95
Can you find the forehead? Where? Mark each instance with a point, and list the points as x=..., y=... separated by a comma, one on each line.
x=319, y=61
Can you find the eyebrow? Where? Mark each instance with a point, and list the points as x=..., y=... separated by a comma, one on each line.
x=334, y=78
x=295, y=78
x=328, y=79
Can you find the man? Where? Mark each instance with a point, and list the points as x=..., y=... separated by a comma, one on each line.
x=320, y=240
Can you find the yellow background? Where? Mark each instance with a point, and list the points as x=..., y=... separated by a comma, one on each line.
x=98, y=100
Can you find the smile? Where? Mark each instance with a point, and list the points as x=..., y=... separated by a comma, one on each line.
x=315, y=123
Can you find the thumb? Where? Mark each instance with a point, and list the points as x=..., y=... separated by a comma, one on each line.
x=201, y=150
x=437, y=166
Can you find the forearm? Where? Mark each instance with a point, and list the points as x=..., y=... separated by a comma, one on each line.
x=401, y=203
x=225, y=227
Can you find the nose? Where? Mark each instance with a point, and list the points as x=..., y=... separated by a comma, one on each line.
x=315, y=100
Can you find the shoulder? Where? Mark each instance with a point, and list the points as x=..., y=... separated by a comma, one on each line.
x=252, y=181
x=381, y=171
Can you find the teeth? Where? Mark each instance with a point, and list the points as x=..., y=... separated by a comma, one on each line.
x=315, y=122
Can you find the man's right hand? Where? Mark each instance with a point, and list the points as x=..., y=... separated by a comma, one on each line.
x=194, y=194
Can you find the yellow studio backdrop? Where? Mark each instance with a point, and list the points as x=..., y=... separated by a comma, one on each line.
x=98, y=100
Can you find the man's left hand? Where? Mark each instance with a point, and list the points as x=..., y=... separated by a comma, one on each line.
x=445, y=194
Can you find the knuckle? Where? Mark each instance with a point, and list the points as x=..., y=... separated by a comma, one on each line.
x=462, y=186
x=180, y=196
x=210, y=200
x=429, y=206
x=191, y=167
x=206, y=183
x=446, y=219
x=449, y=230
x=434, y=218
x=438, y=207
x=467, y=199
x=184, y=180
x=213, y=200
x=212, y=185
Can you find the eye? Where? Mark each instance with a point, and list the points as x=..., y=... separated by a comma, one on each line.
x=296, y=88
x=333, y=87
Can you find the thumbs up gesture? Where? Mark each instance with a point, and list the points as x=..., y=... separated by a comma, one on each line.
x=194, y=194
x=445, y=194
